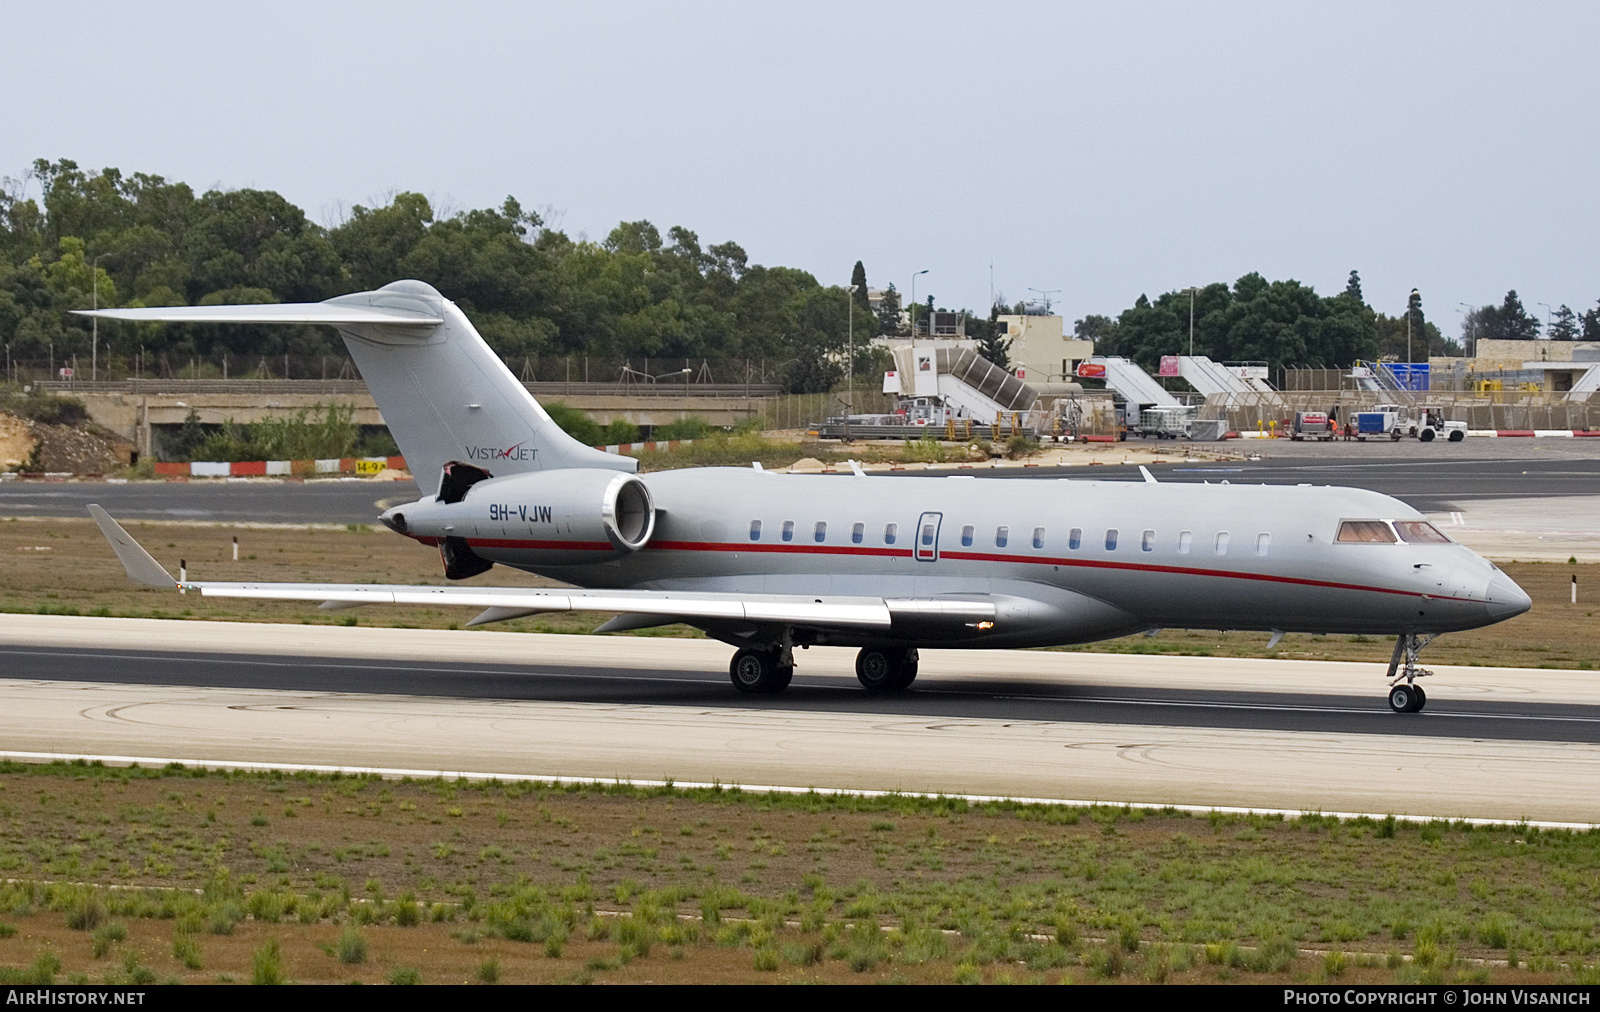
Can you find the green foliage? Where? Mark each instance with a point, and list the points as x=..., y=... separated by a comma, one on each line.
x=186, y=950
x=45, y=408
x=530, y=289
x=42, y=970
x=266, y=964
x=309, y=434
x=489, y=971
x=105, y=935
x=352, y=946
x=405, y=975
x=692, y=427
x=575, y=423
x=1277, y=322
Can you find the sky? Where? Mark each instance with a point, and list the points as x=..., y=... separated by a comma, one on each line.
x=1096, y=151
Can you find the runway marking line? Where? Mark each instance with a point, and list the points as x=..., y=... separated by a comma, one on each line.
x=515, y=669
x=391, y=773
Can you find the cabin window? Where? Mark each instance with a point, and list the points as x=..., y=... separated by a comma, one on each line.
x=858, y=531
x=1185, y=540
x=1419, y=532
x=1001, y=536
x=1074, y=539
x=1147, y=541
x=927, y=534
x=890, y=532
x=1222, y=542
x=1263, y=543
x=755, y=530
x=821, y=534
x=1372, y=532
x=788, y=530
x=1038, y=537
x=1111, y=539
x=966, y=536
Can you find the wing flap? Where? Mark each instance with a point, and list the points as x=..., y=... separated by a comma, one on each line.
x=870, y=612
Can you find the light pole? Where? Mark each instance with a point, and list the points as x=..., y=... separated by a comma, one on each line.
x=1546, y=306
x=1191, y=291
x=94, y=340
x=1409, y=314
x=914, y=304
x=1469, y=322
x=1044, y=296
x=850, y=354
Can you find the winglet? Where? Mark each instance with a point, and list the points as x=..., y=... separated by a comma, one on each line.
x=1149, y=479
x=140, y=566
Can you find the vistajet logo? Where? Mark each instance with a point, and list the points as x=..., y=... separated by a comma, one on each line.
x=521, y=451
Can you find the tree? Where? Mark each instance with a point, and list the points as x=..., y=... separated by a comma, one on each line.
x=1100, y=329
x=1509, y=321
x=889, y=312
x=858, y=278
x=1416, y=327
x=1352, y=288
x=1564, y=325
x=1591, y=324
x=992, y=345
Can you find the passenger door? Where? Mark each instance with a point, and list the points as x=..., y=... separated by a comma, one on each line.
x=927, y=535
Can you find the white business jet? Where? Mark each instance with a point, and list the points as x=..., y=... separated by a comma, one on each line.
x=767, y=562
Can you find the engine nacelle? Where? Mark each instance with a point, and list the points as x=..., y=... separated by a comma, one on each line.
x=543, y=518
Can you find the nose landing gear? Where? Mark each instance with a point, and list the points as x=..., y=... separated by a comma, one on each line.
x=1405, y=696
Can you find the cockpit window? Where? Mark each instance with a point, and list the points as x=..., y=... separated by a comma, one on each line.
x=1366, y=532
x=1419, y=532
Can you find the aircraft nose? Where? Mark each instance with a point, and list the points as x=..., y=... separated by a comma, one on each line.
x=1506, y=599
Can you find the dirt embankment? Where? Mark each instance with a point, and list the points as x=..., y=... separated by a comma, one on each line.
x=34, y=446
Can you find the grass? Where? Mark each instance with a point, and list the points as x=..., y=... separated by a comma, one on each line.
x=581, y=882
x=78, y=575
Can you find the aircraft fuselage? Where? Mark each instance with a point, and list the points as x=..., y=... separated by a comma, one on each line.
x=1066, y=561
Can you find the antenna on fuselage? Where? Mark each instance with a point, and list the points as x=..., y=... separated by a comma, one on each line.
x=1149, y=479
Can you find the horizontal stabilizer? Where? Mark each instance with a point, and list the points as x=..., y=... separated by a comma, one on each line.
x=140, y=566
x=288, y=312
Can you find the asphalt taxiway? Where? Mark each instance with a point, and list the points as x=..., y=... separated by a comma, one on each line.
x=1493, y=743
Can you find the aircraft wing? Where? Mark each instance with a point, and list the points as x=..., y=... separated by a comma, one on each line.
x=287, y=312
x=502, y=603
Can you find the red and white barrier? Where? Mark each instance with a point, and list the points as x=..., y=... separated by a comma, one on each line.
x=672, y=444
x=286, y=468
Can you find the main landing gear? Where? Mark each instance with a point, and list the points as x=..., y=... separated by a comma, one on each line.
x=762, y=672
x=886, y=669
x=765, y=671
x=1405, y=696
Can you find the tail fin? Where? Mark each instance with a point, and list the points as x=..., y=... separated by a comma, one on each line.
x=443, y=392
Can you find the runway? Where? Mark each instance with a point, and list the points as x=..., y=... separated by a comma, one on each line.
x=1493, y=743
x=1441, y=480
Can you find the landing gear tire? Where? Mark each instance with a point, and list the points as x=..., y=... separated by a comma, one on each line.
x=1406, y=698
x=758, y=672
x=886, y=669
x=1422, y=698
